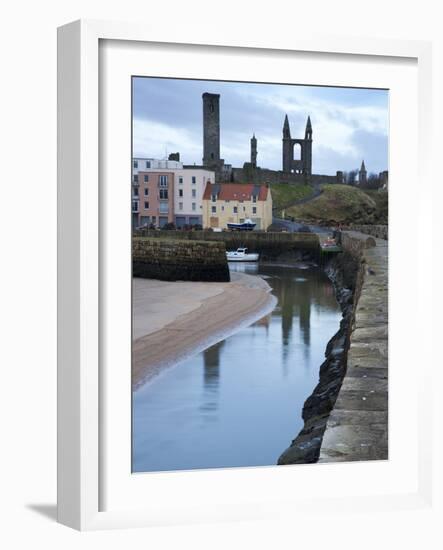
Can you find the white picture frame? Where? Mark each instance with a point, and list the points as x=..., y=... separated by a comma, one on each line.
x=80, y=362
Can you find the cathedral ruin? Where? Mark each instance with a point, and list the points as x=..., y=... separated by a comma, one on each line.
x=297, y=154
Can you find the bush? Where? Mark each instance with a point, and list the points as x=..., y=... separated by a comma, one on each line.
x=169, y=226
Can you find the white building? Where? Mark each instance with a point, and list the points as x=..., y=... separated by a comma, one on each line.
x=190, y=184
x=142, y=164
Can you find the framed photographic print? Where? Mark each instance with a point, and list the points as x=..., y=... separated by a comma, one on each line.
x=231, y=231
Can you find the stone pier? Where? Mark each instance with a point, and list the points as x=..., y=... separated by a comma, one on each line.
x=357, y=428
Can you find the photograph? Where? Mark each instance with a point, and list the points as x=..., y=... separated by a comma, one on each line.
x=259, y=216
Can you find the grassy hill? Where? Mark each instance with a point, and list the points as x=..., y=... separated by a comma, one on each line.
x=285, y=194
x=381, y=200
x=342, y=204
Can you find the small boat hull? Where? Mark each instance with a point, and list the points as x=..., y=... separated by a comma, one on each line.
x=245, y=258
x=241, y=255
x=246, y=226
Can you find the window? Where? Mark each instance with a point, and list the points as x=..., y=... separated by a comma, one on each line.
x=163, y=208
x=146, y=191
x=194, y=193
x=135, y=192
x=254, y=210
x=135, y=164
x=194, y=179
x=146, y=178
x=180, y=206
x=135, y=178
x=213, y=209
x=180, y=179
x=223, y=208
x=163, y=194
x=244, y=208
x=146, y=205
x=254, y=198
x=214, y=198
x=148, y=164
x=135, y=206
x=194, y=206
x=180, y=192
x=163, y=181
x=235, y=210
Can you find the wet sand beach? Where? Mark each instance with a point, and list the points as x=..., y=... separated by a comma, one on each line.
x=173, y=320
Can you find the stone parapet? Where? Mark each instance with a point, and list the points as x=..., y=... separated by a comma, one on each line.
x=357, y=428
x=378, y=231
x=179, y=260
x=346, y=416
x=270, y=245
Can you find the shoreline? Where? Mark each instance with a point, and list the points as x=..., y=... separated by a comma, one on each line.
x=186, y=318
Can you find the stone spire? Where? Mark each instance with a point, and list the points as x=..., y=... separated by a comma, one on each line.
x=286, y=130
x=308, y=131
x=362, y=174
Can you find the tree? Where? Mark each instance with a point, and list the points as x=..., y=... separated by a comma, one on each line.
x=352, y=176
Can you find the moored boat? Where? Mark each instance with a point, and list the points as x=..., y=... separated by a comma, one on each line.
x=241, y=255
x=247, y=225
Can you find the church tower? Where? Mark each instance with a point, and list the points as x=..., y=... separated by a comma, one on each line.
x=211, y=129
x=254, y=151
x=362, y=174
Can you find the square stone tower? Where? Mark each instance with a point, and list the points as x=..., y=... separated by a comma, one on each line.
x=211, y=130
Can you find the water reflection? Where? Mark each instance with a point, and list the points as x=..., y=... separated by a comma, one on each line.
x=239, y=402
x=211, y=380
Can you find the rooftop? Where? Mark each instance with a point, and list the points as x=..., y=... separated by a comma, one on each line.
x=236, y=191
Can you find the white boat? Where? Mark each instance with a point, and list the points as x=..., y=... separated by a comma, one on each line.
x=241, y=255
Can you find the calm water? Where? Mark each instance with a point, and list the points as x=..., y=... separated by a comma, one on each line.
x=239, y=402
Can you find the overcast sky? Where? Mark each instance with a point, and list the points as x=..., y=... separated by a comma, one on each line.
x=348, y=124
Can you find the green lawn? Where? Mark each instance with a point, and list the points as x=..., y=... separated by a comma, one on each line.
x=285, y=194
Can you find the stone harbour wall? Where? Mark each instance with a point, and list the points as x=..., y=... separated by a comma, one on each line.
x=270, y=245
x=357, y=428
x=345, y=418
x=177, y=260
x=378, y=231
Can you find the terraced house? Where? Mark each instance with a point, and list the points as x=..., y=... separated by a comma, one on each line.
x=225, y=203
x=153, y=198
x=165, y=191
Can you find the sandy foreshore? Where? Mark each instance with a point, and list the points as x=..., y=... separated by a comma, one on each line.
x=174, y=320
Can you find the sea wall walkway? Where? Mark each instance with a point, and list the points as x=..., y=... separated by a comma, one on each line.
x=357, y=428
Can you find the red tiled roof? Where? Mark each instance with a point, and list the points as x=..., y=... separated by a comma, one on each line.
x=235, y=191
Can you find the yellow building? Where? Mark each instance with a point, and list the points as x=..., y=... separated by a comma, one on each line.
x=225, y=203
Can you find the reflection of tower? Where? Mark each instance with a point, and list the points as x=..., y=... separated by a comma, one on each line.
x=211, y=378
x=211, y=358
x=254, y=151
x=287, y=313
x=305, y=319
